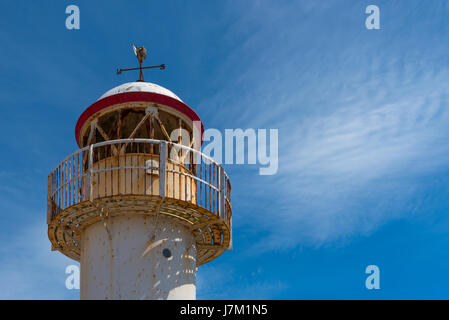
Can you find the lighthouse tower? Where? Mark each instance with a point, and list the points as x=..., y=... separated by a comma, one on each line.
x=138, y=205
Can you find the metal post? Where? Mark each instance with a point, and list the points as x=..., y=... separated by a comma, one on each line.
x=230, y=231
x=221, y=184
x=49, y=205
x=89, y=171
x=162, y=169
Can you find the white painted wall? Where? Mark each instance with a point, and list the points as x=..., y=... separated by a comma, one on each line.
x=129, y=264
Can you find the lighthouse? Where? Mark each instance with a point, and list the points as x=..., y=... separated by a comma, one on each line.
x=138, y=204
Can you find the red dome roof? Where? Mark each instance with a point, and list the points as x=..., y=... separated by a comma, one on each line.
x=134, y=92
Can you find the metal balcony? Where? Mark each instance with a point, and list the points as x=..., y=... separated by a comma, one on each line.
x=142, y=176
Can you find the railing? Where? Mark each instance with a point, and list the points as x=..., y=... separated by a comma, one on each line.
x=139, y=167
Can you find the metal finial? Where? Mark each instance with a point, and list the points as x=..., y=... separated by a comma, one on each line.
x=141, y=54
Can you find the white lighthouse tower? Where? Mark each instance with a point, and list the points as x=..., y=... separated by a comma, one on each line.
x=138, y=210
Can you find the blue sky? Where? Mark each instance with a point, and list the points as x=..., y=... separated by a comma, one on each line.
x=363, y=118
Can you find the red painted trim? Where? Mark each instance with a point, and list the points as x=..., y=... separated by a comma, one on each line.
x=132, y=97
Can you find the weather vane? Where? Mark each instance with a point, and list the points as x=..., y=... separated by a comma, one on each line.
x=141, y=54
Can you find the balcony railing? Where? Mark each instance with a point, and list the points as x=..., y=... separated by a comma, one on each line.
x=139, y=167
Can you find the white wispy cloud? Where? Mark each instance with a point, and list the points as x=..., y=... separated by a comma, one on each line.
x=359, y=123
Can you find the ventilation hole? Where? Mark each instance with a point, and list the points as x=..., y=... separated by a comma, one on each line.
x=166, y=253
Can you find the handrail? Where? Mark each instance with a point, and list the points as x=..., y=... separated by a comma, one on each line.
x=200, y=180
